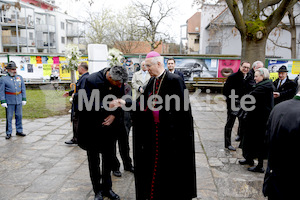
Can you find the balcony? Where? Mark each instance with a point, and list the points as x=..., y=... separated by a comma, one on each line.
x=6, y=21
x=44, y=28
x=44, y=44
x=74, y=33
x=12, y=41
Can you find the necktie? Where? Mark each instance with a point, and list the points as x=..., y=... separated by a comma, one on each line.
x=279, y=84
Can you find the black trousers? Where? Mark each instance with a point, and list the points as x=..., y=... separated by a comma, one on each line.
x=75, y=125
x=228, y=128
x=123, y=142
x=100, y=182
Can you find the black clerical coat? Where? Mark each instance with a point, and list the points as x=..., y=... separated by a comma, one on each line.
x=92, y=135
x=175, y=173
x=283, y=133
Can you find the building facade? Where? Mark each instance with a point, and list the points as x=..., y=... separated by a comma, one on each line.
x=193, y=33
x=34, y=26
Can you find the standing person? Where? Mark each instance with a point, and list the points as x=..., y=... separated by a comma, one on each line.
x=13, y=98
x=83, y=72
x=239, y=84
x=98, y=126
x=123, y=140
x=163, y=137
x=256, y=65
x=285, y=88
x=139, y=80
x=255, y=121
x=171, y=67
x=283, y=130
x=297, y=82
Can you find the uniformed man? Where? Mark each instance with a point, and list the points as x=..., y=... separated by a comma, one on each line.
x=13, y=97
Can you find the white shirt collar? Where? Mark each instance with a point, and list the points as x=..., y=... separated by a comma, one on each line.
x=160, y=74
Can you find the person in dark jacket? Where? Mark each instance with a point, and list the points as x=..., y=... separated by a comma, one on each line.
x=239, y=84
x=123, y=140
x=171, y=66
x=285, y=88
x=283, y=130
x=253, y=145
x=98, y=125
x=83, y=71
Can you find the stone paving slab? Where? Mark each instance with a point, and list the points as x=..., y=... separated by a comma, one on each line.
x=41, y=167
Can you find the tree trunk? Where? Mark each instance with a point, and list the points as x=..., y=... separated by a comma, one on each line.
x=253, y=50
x=293, y=43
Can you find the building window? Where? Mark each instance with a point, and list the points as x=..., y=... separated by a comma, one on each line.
x=197, y=41
x=63, y=40
x=62, y=25
x=38, y=21
x=30, y=36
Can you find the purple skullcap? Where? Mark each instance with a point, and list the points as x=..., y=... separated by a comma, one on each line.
x=152, y=54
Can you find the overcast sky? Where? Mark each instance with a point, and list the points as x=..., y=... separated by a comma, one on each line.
x=184, y=11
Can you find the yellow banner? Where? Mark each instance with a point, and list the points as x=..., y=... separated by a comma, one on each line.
x=296, y=67
x=273, y=76
x=47, y=69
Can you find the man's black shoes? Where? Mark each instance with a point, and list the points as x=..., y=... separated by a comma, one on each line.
x=21, y=134
x=117, y=173
x=130, y=169
x=8, y=136
x=72, y=141
x=98, y=196
x=110, y=194
x=246, y=162
x=231, y=148
x=256, y=169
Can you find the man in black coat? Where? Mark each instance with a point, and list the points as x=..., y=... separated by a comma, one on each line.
x=163, y=137
x=83, y=71
x=285, y=88
x=171, y=66
x=283, y=136
x=98, y=125
x=239, y=83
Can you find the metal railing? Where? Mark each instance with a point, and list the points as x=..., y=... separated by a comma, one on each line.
x=13, y=41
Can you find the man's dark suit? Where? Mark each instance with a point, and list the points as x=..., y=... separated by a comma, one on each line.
x=286, y=90
x=93, y=136
x=74, y=114
x=283, y=136
x=179, y=73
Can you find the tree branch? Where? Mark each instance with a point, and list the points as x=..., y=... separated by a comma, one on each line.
x=238, y=18
x=273, y=20
x=266, y=3
x=281, y=46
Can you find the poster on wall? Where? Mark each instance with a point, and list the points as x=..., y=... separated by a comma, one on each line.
x=3, y=63
x=196, y=67
x=293, y=68
x=132, y=65
x=227, y=67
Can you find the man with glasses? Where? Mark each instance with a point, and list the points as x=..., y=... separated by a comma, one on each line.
x=237, y=84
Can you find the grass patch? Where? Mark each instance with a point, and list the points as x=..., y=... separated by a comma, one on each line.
x=43, y=103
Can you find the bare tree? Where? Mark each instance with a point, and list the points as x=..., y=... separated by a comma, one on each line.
x=100, y=27
x=128, y=36
x=253, y=26
x=291, y=27
x=153, y=15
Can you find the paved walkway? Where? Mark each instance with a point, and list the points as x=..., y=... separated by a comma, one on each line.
x=41, y=167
